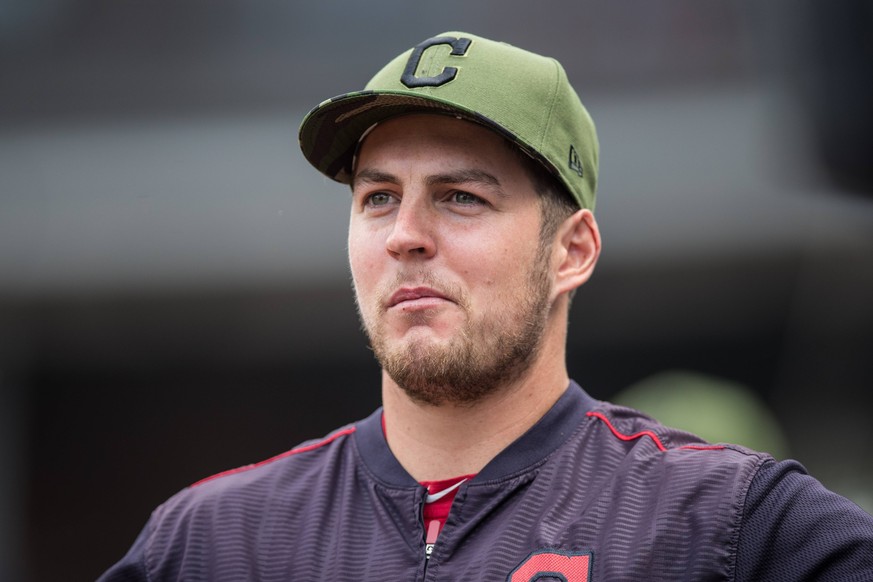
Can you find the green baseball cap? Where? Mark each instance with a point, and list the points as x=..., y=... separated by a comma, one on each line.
x=522, y=96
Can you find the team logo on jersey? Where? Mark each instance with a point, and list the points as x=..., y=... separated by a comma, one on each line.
x=548, y=564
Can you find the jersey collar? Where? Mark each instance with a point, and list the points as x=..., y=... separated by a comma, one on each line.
x=549, y=433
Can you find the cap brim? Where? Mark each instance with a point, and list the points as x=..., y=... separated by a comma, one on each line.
x=329, y=134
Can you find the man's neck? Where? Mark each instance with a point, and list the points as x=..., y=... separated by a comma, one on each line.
x=441, y=442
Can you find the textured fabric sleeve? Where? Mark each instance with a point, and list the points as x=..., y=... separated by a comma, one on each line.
x=131, y=568
x=793, y=528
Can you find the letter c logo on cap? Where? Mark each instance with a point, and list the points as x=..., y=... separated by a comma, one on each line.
x=459, y=49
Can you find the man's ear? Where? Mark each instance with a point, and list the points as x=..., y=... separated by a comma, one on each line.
x=578, y=246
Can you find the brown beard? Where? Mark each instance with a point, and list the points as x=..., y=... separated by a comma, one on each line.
x=484, y=357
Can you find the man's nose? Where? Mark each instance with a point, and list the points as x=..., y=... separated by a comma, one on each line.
x=412, y=232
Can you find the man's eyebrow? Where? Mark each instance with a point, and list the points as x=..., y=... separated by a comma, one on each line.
x=463, y=177
x=374, y=177
x=466, y=176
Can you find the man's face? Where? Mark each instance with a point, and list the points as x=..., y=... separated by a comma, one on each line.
x=452, y=286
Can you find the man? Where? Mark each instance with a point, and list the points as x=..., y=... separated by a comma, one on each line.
x=473, y=170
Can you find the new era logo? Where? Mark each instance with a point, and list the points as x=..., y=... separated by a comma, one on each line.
x=574, y=161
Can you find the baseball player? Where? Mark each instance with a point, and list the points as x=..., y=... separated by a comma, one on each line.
x=473, y=169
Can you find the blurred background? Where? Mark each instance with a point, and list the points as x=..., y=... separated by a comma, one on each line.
x=174, y=296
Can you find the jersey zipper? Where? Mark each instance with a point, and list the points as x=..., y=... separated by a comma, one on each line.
x=427, y=550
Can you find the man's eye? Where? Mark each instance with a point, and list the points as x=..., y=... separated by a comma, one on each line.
x=466, y=198
x=378, y=199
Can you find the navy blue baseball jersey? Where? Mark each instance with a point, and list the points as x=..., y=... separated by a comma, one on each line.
x=592, y=492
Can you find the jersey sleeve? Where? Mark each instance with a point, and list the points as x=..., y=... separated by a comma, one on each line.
x=793, y=528
x=131, y=568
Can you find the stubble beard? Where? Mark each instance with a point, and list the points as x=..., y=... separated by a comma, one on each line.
x=483, y=357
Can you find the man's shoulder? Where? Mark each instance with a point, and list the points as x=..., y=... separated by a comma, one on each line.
x=305, y=455
x=633, y=442
x=201, y=527
x=630, y=426
x=296, y=471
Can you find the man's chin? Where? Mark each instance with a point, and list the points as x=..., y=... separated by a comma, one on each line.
x=420, y=341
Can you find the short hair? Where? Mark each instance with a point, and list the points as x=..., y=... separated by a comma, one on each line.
x=556, y=203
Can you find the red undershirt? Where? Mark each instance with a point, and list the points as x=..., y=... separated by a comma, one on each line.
x=436, y=512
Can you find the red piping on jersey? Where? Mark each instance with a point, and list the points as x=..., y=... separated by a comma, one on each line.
x=650, y=434
x=290, y=453
x=703, y=447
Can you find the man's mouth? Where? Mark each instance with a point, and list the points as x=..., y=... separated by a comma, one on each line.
x=415, y=295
